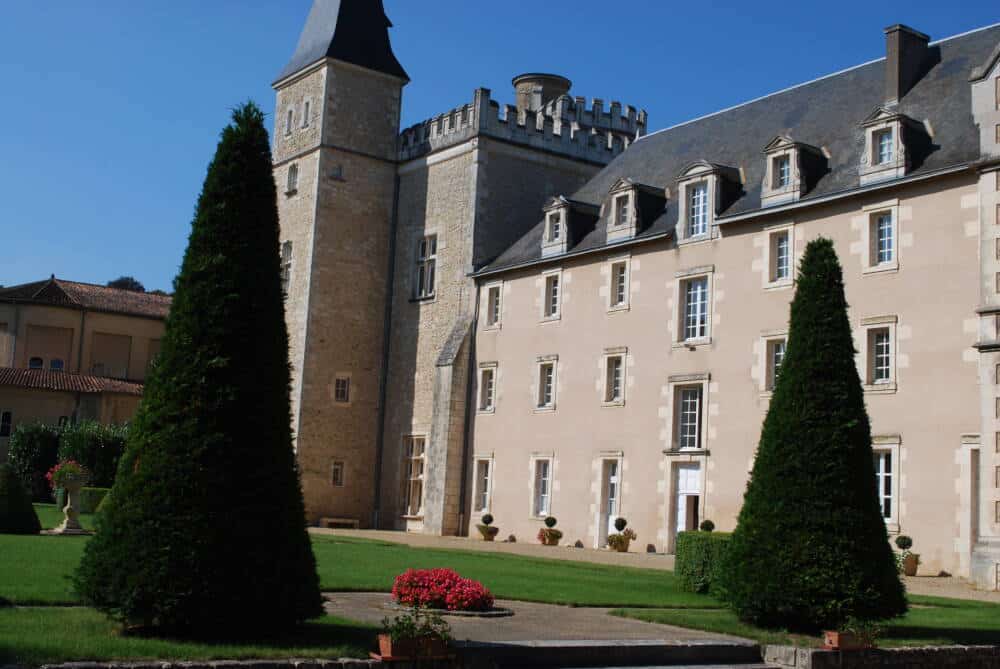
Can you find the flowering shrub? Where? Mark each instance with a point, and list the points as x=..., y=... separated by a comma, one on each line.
x=440, y=589
x=58, y=475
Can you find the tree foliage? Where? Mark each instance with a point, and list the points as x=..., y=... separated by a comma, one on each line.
x=127, y=283
x=810, y=549
x=17, y=515
x=204, y=530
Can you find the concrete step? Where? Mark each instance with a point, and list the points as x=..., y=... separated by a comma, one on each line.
x=604, y=653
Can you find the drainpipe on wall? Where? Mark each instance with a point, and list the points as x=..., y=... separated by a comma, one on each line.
x=386, y=349
x=470, y=398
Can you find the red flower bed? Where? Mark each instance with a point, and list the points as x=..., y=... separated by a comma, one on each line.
x=440, y=589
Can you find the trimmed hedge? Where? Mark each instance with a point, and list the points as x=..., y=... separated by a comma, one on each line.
x=88, y=500
x=33, y=451
x=17, y=515
x=698, y=561
x=95, y=446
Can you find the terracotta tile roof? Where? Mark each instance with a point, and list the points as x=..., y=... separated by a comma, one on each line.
x=75, y=295
x=41, y=379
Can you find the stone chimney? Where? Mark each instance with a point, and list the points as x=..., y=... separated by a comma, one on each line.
x=534, y=89
x=905, y=60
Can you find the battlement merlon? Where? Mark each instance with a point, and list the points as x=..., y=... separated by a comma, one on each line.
x=564, y=125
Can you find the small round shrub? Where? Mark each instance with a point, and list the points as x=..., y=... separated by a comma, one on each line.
x=17, y=515
x=620, y=524
x=706, y=525
x=550, y=521
x=904, y=543
x=440, y=589
x=487, y=519
x=578, y=544
x=512, y=539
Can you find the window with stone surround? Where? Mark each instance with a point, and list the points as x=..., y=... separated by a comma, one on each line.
x=688, y=417
x=494, y=297
x=292, y=183
x=483, y=485
x=879, y=354
x=779, y=257
x=697, y=209
x=883, y=482
x=554, y=227
x=289, y=121
x=487, y=387
x=781, y=171
x=551, y=296
x=426, y=266
x=619, y=285
x=881, y=237
x=286, y=267
x=306, y=109
x=414, y=447
x=775, y=352
x=546, y=384
x=342, y=389
x=542, y=499
x=337, y=474
x=623, y=210
x=695, y=318
x=6, y=423
x=614, y=377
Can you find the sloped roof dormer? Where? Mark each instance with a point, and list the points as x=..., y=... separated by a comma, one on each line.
x=791, y=169
x=566, y=222
x=704, y=190
x=894, y=144
x=630, y=207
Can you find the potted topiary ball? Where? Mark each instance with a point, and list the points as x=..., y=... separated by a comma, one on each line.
x=706, y=526
x=487, y=529
x=548, y=535
x=909, y=560
x=620, y=523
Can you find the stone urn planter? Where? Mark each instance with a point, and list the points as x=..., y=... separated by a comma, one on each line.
x=71, y=483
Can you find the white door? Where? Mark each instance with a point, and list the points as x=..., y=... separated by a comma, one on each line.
x=611, y=494
x=688, y=494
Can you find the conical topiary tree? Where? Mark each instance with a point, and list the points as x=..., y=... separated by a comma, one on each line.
x=205, y=530
x=810, y=548
x=17, y=515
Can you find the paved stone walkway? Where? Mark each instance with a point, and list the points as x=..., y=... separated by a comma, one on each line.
x=949, y=586
x=530, y=621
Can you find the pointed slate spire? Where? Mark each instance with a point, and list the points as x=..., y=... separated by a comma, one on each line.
x=354, y=31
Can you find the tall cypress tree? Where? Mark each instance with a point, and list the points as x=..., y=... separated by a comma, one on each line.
x=205, y=530
x=810, y=549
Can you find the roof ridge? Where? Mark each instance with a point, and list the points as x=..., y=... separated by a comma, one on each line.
x=805, y=83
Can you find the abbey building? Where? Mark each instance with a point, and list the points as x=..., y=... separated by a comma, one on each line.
x=545, y=308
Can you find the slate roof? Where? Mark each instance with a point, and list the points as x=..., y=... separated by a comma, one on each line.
x=75, y=295
x=354, y=31
x=825, y=113
x=41, y=379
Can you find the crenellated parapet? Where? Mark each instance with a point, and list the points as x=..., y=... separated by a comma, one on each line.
x=565, y=125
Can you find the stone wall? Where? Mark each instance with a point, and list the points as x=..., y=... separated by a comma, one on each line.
x=931, y=657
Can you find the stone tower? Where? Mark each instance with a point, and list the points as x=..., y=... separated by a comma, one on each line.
x=336, y=123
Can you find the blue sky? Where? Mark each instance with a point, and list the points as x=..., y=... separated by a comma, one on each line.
x=111, y=109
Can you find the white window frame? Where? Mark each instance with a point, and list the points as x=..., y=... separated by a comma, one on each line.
x=771, y=344
x=486, y=396
x=889, y=444
x=676, y=385
x=409, y=479
x=781, y=171
x=492, y=314
x=772, y=234
x=342, y=380
x=698, y=221
x=556, y=233
x=870, y=237
x=541, y=486
x=545, y=398
x=623, y=212
x=338, y=466
x=619, y=283
x=547, y=302
x=870, y=327
x=9, y=414
x=608, y=397
x=683, y=279
x=478, y=493
x=425, y=270
x=879, y=156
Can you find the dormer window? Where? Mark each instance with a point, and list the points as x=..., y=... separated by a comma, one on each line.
x=622, y=210
x=626, y=206
x=697, y=209
x=788, y=169
x=555, y=236
x=703, y=191
x=890, y=141
x=555, y=226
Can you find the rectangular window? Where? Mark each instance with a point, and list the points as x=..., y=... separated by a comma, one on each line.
x=342, y=389
x=552, y=296
x=775, y=356
x=782, y=169
x=614, y=378
x=619, y=284
x=543, y=484
x=622, y=208
x=337, y=474
x=482, y=493
x=426, y=265
x=883, y=482
x=38, y=363
x=555, y=226
x=880, y=355
x=689, y=418
x=698, y=209
x=884, y=239
x=696, y=308
x=305, y=113
x=781, y=254
x=6, y=422
x=493, y=306
x=546, y=385
x=414, y=493
x=487, y=388
x=289, y=117
x=286, y=266
x=883, y=147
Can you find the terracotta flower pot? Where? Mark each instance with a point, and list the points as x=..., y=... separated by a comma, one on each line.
x=489, y=537
x=622, y=546
x=411, y=648
x=833, y=640
x=910, y=564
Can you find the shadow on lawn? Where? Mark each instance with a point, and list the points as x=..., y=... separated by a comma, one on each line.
x=312, y=634
x=949, y=635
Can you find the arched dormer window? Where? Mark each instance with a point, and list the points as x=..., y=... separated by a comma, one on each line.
x=292, y=185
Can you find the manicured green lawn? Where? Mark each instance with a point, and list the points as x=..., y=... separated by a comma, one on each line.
x=932, y=621
x=363, y=565
x=52, y=634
